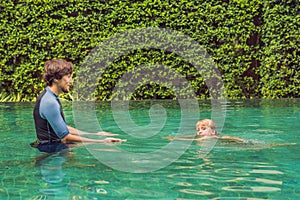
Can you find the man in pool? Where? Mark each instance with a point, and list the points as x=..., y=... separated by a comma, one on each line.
x=50, y=124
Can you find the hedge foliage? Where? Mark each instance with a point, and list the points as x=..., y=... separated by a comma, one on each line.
x=280, y=55
x=254, y=43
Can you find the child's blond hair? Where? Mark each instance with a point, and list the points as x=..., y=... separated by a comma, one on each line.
x=206, y=122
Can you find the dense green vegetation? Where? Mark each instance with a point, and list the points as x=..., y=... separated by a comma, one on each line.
x=254, y=43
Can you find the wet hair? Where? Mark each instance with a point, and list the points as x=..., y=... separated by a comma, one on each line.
x=56, y=69
x=206, y=122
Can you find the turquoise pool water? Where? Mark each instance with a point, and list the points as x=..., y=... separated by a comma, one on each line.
x=261, y=170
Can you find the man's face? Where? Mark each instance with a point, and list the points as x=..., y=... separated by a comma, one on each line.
x=65, y=82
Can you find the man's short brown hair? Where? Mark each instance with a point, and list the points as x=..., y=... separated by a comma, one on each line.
x=56, y=69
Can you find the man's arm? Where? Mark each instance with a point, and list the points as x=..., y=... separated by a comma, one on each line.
x=50, y=110
x=76, y=138
x=75, y=131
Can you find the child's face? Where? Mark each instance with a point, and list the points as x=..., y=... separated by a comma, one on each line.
x=205, y=130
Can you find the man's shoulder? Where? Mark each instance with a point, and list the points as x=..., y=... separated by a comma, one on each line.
x=49, y=100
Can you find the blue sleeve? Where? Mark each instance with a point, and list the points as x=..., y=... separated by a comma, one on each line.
x=50, y=110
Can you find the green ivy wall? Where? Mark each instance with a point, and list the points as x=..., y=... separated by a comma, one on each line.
x=254, y=43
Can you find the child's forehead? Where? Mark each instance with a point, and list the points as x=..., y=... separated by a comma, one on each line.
x=202, y=124
x=202, y=127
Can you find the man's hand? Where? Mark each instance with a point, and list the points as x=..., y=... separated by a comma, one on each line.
x=114, y=140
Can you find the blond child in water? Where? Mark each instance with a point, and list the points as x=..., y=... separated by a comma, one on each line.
x=206, y=128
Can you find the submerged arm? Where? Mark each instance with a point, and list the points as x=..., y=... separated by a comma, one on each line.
x=206, y=137
x=186, y=137
x=233, y=139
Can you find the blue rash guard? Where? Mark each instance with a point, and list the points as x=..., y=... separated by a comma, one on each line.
x=49, y=119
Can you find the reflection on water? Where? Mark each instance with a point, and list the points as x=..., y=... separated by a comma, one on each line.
x=51, y=172
x=51, y=168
